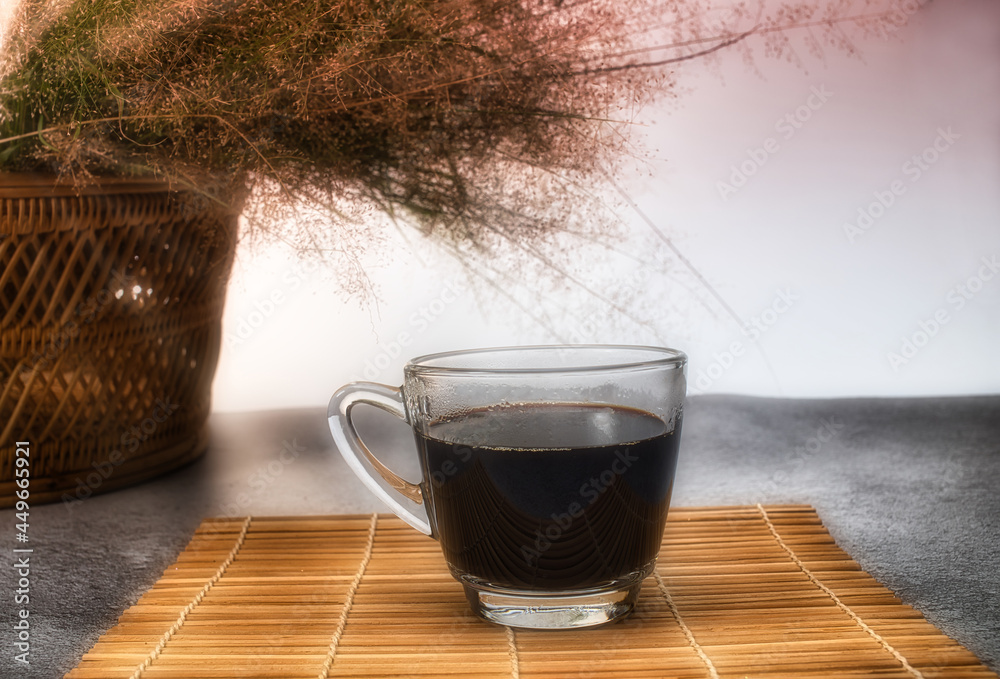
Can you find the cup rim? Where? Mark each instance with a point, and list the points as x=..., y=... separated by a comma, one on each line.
x=659, y=357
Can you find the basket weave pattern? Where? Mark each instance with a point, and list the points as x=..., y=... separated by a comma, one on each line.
x=111, y=299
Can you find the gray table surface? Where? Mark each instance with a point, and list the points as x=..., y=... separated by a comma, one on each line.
x=908, y=487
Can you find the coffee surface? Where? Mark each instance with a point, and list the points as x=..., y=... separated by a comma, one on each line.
x=549, y=496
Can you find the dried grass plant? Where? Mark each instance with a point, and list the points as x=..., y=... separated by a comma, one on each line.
x=486, y=124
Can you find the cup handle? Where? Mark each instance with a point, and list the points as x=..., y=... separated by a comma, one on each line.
x=401, y=492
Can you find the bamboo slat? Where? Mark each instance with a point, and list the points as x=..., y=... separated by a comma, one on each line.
x=739, y=592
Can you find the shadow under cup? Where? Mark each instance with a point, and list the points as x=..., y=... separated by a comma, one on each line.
x=547, y=472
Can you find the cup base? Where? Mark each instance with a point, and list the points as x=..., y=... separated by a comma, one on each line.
x=545, y=610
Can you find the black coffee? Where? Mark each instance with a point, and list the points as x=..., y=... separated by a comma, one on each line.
x=549, y=496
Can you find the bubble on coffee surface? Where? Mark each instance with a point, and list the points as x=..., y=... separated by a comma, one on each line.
x=547, y=425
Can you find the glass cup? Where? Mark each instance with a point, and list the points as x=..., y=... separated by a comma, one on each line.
x=547, y=471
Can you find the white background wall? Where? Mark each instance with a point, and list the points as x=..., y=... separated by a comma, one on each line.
x=832, y=302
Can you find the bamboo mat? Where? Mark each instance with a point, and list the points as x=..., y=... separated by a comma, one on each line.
x=739, y=592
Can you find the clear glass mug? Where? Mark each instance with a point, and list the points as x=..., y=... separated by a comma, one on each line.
x=547, y=471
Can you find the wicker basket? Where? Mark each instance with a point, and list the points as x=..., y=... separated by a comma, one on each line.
x=111, y=300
